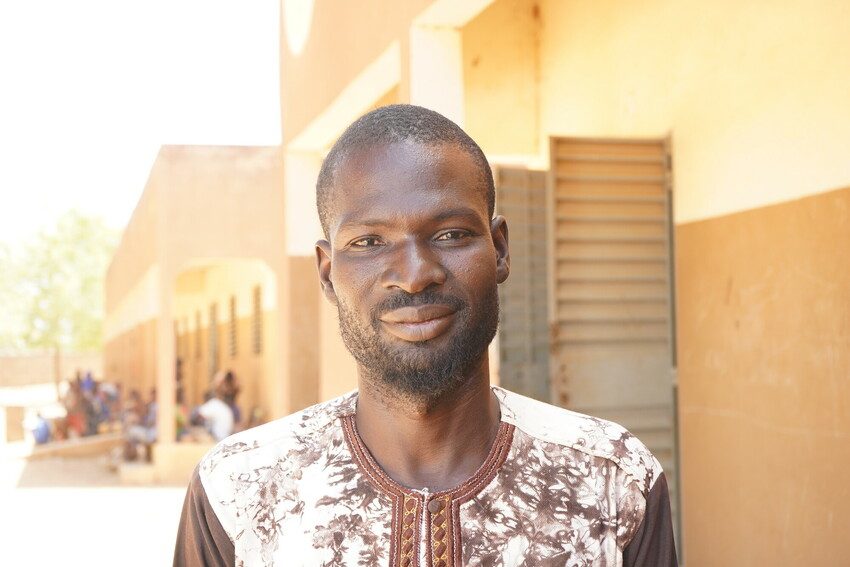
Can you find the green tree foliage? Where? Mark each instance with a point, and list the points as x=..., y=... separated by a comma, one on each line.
x=55, y=289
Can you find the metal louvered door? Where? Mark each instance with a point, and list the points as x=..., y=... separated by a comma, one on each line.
x=610, y=306
x=523, y=330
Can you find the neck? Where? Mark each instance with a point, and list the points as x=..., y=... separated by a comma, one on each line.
x=433, y=444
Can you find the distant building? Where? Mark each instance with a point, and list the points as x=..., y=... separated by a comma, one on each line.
x=197, y=279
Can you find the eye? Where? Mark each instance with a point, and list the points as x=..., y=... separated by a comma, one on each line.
x=366, y=242
x=451, y=235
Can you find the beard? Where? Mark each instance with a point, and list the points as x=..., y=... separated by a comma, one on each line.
x=422, y=370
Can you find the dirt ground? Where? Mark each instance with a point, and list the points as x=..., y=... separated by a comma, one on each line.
x=75, y=512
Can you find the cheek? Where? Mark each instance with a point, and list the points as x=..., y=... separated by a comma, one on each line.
x=474, y=271
x=353, y=282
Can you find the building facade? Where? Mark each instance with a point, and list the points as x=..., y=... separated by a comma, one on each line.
x=201, y=283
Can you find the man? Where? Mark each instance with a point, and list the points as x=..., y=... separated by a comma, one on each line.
x=425, y=464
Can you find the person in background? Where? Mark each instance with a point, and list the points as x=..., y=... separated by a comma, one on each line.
x=90, y=408
x=231, y=391
x=116, y=400
x=139, y=426
x=88, y=383
x=217, y=415
x=133, y=409
x=75, y=417
x=102, y=405
x=41, y=430
x=151, y=409
x=181, y=413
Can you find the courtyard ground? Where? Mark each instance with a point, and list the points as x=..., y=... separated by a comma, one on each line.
x=75, y=512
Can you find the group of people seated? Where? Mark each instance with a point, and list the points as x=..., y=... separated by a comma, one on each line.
x=90, y=406
x=93, y=406
x=216, y=418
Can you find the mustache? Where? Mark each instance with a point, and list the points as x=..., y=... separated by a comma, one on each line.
x=427, y=297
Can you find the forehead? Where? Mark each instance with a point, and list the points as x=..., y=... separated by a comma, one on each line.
x=406, y=180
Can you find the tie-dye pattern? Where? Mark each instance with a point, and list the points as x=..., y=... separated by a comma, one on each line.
x=571, y=491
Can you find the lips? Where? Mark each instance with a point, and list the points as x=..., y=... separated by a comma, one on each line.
x=418, y=323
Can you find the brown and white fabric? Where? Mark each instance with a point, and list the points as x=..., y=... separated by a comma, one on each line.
x=558, y=488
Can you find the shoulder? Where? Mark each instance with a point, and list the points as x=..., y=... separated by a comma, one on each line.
x=586, y=434
x=267, y=442
x=234, y=470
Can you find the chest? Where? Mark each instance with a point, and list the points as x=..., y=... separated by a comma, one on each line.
x=500, y=526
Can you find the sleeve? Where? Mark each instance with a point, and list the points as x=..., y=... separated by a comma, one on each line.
x=201, y=539
x=652, y=544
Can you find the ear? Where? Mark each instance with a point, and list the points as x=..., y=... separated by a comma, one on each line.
x=499, y=233
x=323, y=263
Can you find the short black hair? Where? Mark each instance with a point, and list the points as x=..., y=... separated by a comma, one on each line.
x=392, y=124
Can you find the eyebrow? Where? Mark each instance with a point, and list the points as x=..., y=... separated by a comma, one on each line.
x=456, y=212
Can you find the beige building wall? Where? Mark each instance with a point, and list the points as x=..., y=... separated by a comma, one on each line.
x=196, y=291
x=764, y=357
x=47, y=368
x=501, y=80
x=753, y=93
x=129, y=357
x=333, y=25
x=754, y=98
x=130, y=267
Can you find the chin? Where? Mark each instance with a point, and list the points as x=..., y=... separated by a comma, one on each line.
x=424, y=390
x=422, y=355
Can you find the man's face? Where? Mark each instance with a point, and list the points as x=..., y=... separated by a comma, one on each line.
x=412, y=263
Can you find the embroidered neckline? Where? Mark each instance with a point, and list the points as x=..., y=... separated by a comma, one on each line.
x=425, y=525
x=471, y=486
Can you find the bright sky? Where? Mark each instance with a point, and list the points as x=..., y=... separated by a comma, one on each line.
x=92, y=88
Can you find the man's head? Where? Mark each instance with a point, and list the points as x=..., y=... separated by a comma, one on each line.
x=397, y=123
x=413, y=253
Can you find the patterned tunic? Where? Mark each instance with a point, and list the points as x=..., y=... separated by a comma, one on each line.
x=558, y=488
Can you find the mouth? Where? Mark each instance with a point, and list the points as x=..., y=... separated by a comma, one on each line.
x=420, y=323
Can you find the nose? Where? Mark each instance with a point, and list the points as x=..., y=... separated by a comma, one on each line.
x=413, y=268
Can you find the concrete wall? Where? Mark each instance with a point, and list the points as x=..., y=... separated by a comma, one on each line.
x=136, y=253
x=31, y=369
x=338, y=47
x=764, y=360
x=503, y=74
x=129, y=358
x=196, y=290
x=753, y=93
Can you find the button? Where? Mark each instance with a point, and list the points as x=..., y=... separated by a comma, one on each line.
x=435, y=506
